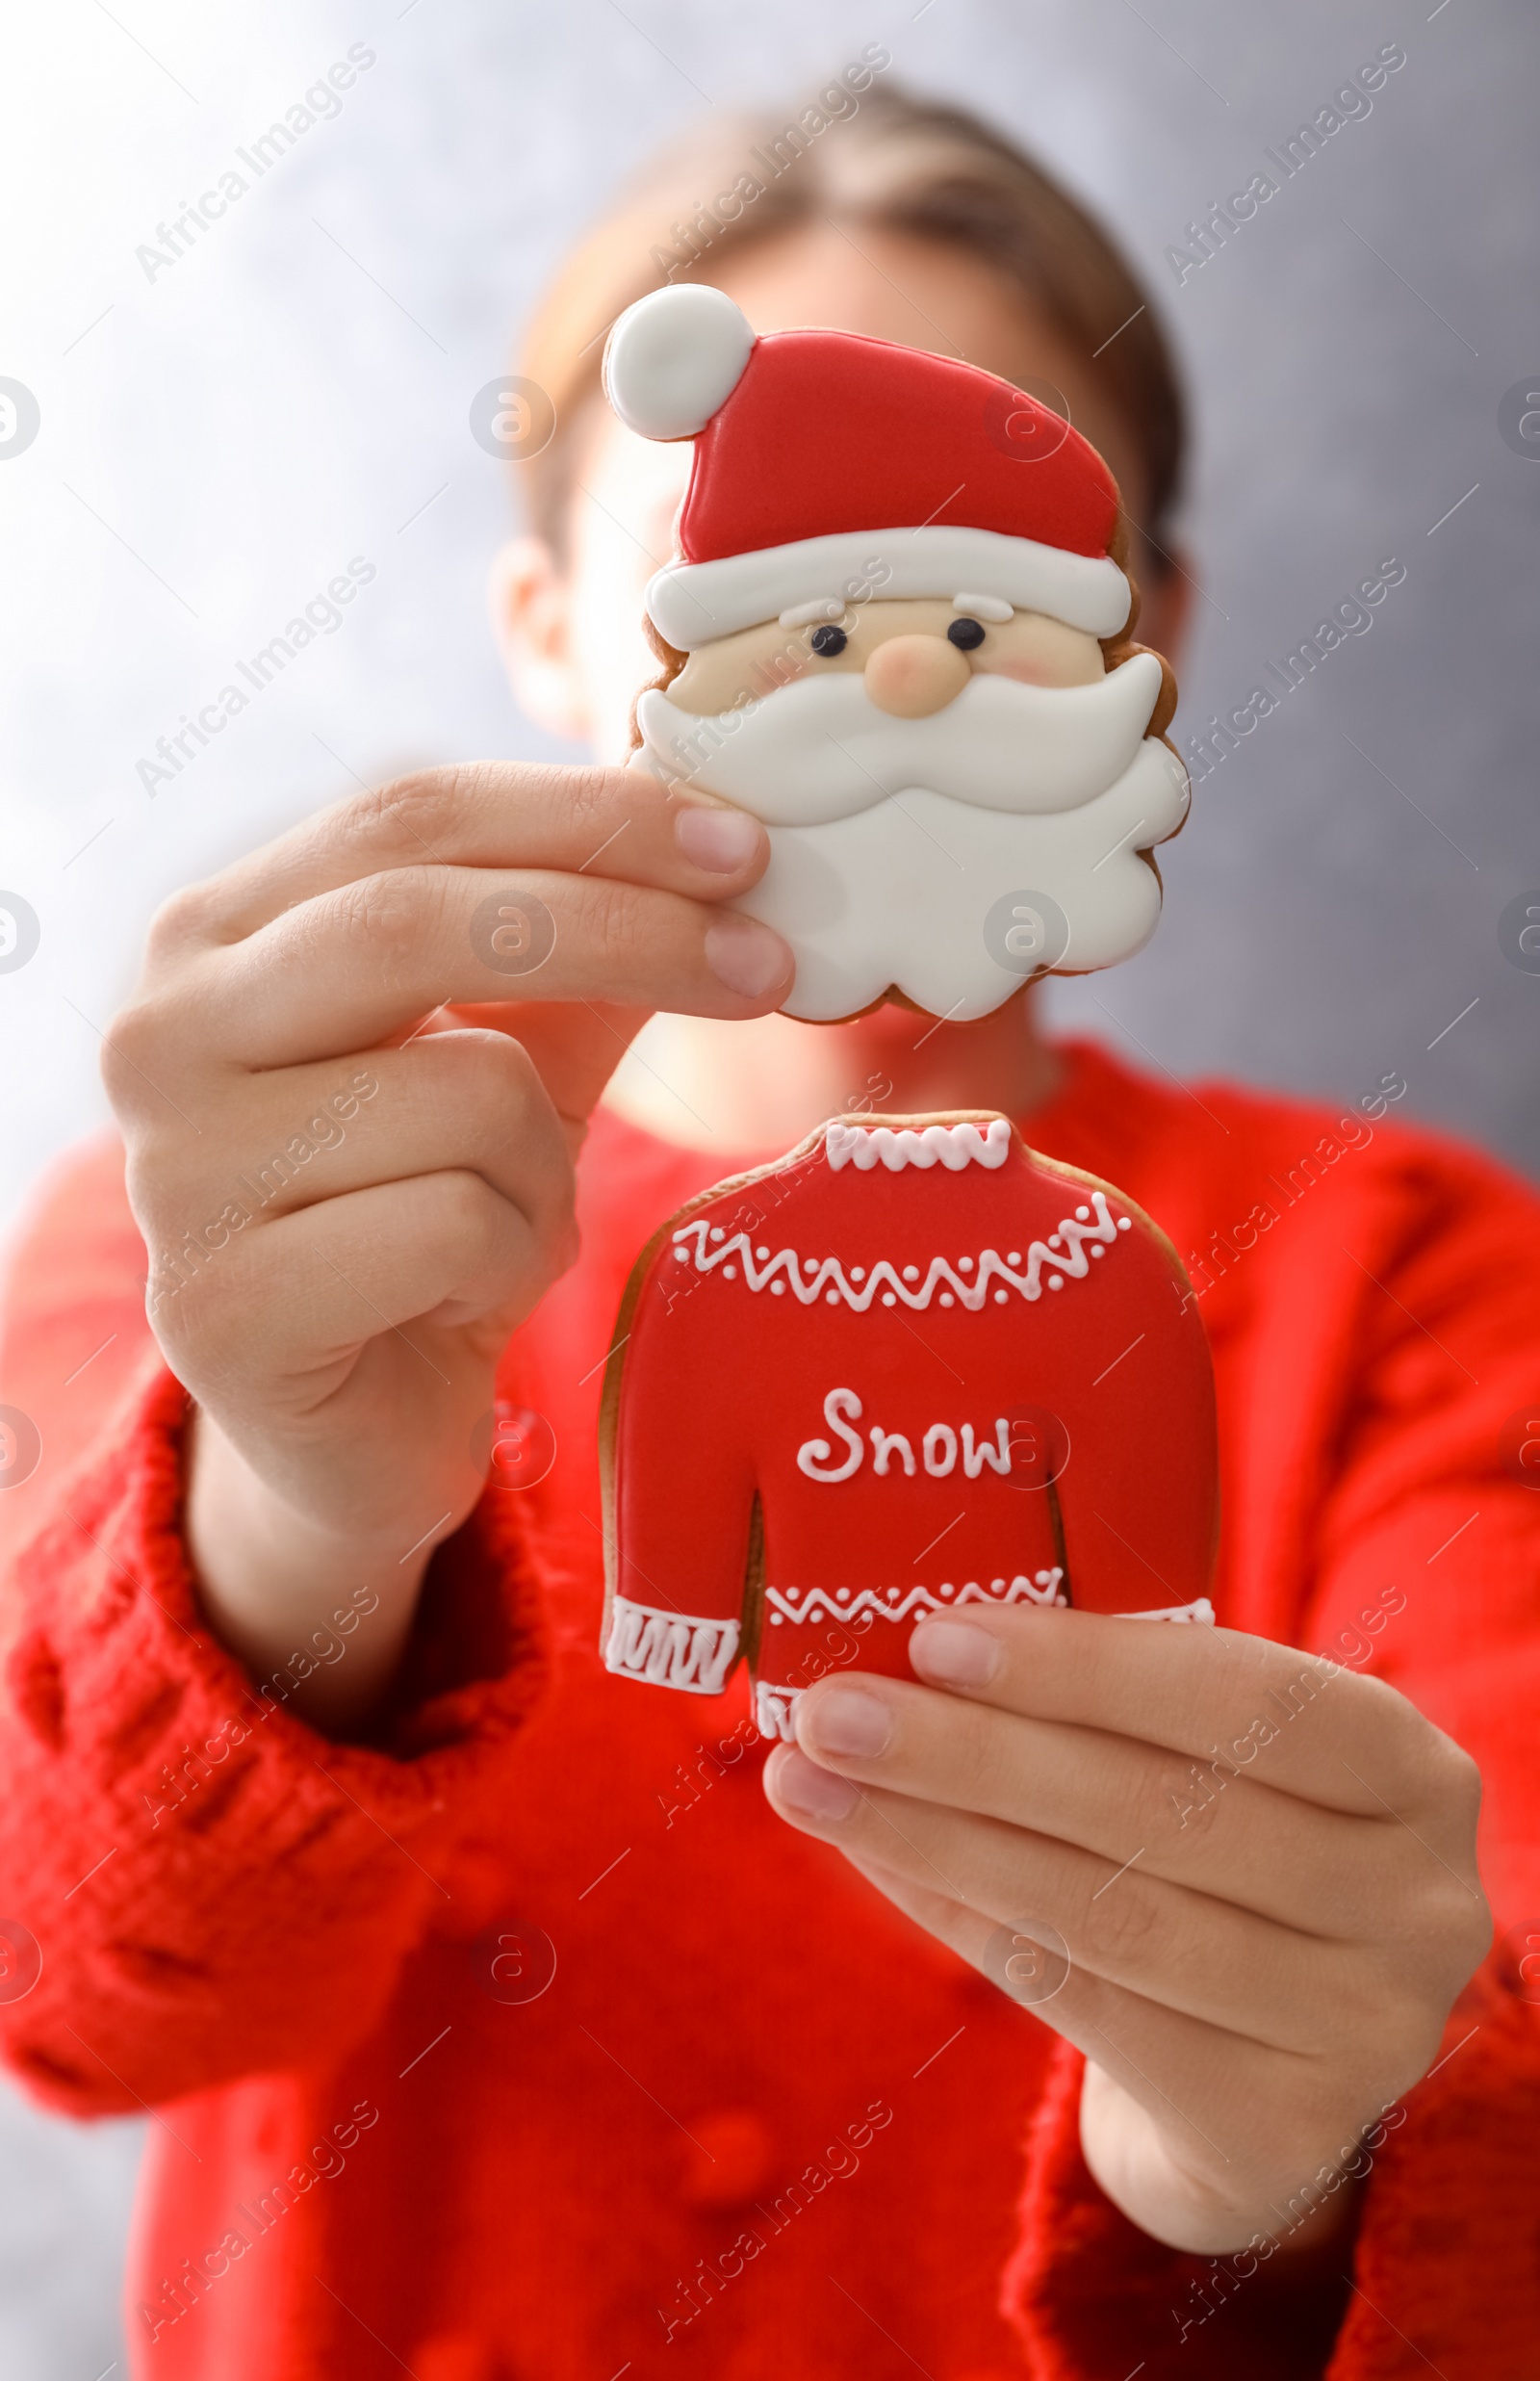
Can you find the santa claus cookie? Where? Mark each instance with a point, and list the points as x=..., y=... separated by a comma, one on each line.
x=910, y=1367
x=897, y=632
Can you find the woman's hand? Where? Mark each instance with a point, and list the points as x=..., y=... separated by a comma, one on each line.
x=1261, y=1869
x=345, y=1218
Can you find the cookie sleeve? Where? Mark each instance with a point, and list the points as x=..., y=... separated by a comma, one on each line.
x=681, y=1518
x=1140, y=1490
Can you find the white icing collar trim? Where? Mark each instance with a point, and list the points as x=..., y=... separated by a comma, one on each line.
x=953, y=1146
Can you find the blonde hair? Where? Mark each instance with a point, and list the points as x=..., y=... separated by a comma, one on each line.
x=892, y=162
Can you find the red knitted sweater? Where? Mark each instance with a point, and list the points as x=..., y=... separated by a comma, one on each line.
x=524, y=2043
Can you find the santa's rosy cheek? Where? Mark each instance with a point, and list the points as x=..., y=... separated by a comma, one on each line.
x=1026, y=671
x=1037, y=670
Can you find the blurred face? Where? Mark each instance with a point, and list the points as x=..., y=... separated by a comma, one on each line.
x=576, y=646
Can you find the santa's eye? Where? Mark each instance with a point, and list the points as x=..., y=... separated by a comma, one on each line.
x=966, y=635
x=829, y=640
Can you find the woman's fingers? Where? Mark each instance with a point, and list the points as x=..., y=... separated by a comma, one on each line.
x=339, y=972
x=467, y=1100
x=994, y=1815
x=1228, y=1703
x=575, y=1047
x=1184, y=1949
x=486, y=814
x=593, y=892
x=1192, y=2080
x=1121, y=1800
x=296, y=1301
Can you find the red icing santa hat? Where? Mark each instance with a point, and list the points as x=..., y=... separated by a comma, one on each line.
x=829, y=468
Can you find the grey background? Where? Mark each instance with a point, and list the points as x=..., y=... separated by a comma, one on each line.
x=217, y=442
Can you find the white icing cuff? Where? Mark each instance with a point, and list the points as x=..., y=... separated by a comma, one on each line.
x=670, y=1649
x=691, y=603
x=775, y=1710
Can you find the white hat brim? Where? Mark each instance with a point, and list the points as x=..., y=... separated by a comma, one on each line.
x=692, y=603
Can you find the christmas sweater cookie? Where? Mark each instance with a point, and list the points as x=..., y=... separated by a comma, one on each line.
x=911, y=1366
x=898, y=631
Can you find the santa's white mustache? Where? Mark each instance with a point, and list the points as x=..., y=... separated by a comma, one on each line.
x=820, y=749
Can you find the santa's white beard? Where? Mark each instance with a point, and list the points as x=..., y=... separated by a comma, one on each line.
x=895, y=843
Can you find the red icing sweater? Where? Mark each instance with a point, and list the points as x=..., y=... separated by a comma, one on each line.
x=1012, y=1385
x=749, y=2122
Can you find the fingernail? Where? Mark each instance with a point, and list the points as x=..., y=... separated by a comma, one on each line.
x=721, y=840
x=746, y=957
x=952, y=1654
x=846, y=1720
x=814, y=1792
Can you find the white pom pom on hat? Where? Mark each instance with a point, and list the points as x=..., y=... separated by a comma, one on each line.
x=673, y=358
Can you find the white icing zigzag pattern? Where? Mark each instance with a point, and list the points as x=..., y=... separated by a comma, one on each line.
x=889, y=1605
x=811, y=1280
x=953, y=1146
x=1199, y=1609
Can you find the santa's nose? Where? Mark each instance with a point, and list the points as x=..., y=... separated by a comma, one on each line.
x=911, y=675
